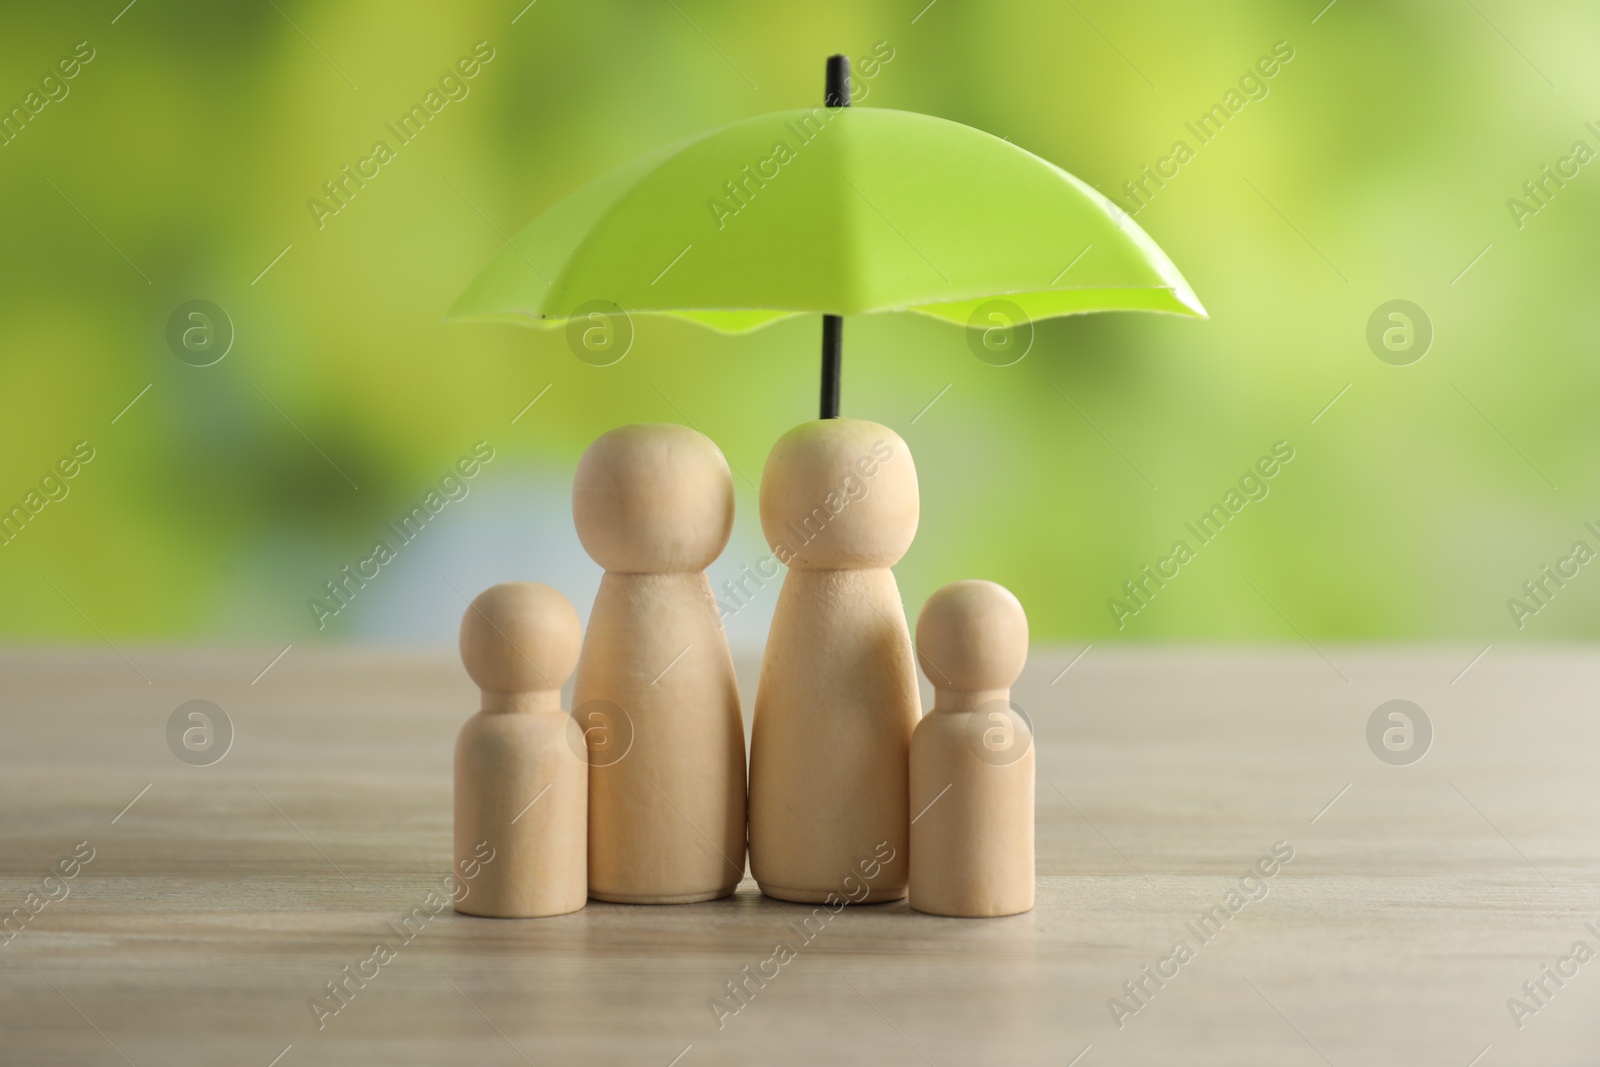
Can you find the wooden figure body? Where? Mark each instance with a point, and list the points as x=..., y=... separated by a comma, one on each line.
x=838, y=697
x=972, y=759
x=655, y=693
x=521, y=783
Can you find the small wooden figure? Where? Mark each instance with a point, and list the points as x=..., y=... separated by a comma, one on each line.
x=972, y=758
x=656, y=693
x=521, y=781
x=838, y=695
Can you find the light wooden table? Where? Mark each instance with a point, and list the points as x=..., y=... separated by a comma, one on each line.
x=1419, y=899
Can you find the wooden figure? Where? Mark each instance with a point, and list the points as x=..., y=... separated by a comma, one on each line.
x=521, y=783
x=972, y=758
x=838, y=695
x=656, y=694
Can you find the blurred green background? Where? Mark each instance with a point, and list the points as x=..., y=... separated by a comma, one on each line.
x=1377, y=167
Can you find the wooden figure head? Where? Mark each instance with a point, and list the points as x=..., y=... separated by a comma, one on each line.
x=520, y=637
x=972, y=637
x=839, y=493
x=653, y=498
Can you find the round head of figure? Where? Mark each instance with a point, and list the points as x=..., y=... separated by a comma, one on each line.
x=652, y=499
x=519, y=637
x=839, y=493
x=972, y=636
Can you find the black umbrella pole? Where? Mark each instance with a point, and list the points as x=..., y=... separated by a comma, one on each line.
x=832, y=353
x=836, y=93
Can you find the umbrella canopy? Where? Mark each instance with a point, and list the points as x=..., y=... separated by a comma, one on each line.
x=997, y=217
x=842, y=211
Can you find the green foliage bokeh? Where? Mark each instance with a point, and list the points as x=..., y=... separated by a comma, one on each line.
x=1377, y=165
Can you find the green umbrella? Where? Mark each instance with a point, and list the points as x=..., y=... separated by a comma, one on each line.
x=831, y=210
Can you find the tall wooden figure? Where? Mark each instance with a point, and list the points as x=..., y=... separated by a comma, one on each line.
x=655, y=693
x=521, y=783
x=838, y=695
x=972, y=758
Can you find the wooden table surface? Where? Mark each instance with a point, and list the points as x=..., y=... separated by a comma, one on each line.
x=1419, y=898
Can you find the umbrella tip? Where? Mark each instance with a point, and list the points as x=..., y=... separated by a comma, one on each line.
x=836, y=92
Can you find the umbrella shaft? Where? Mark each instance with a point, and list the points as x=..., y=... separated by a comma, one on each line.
x=832, y=357
x=836, y=93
